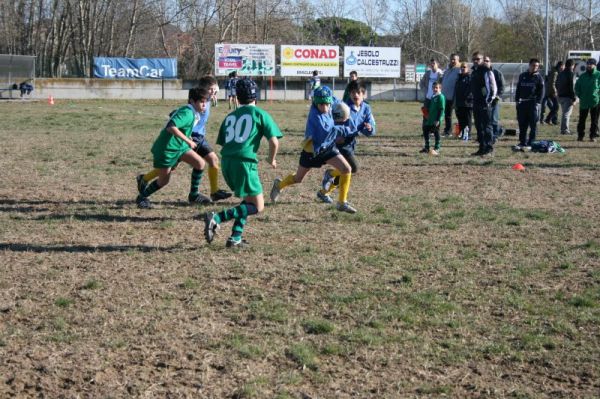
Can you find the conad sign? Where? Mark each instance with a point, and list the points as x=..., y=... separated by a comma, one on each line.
x=303, y=60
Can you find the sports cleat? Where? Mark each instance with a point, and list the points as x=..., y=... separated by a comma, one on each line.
x=434, y=152
x=236, y=243
x=141, y=183
x=143, y=202
x=199, y=199
x=424, y=151
x=518, y=147
x=345, y=207
x=210, y=226
x=220, y=195
x=326, y=198
x=327, y=180
x=275, y=190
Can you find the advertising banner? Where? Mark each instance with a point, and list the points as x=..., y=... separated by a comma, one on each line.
x=303, y=60
x=245, y=59
x=409, y=73
x=135, y=68
x=372, y=62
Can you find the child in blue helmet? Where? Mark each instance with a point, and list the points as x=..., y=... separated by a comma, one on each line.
x=319, y=149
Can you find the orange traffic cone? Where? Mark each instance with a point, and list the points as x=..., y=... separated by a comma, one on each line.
x=50, y=100
x=519, y=167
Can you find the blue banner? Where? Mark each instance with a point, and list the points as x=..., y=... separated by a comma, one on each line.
x=135, y=68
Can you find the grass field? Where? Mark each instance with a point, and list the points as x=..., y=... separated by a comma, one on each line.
x=459, y=277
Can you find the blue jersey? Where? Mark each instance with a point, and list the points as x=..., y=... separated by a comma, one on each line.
x=356, y=123
x=200, y=128
x=322, y=129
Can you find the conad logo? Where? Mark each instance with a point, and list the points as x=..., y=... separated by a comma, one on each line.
x=310, y=53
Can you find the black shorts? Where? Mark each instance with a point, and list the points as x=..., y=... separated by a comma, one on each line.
x=310, y=160
x=202, y=146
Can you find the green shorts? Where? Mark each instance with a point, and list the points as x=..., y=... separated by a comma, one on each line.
x=241, y=177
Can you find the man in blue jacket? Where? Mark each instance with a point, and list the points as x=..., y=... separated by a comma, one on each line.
x=529, y=95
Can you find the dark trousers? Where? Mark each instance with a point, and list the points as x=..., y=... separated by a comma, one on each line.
x=448, y=116
x=527, y=117
x=436, y=134
x=552, y=104
x=483, y=124
x=464, y=116
x=583, y=113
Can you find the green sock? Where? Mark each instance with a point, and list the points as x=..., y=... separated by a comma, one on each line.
x=195, y=184
x=151, y=189
x=238, y=228
x=243, y=210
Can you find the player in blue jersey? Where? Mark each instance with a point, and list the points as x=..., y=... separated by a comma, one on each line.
x=319, y=149
x=231, y=94
x=361, y=121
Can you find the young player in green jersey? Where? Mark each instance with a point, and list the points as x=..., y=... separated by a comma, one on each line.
x=174, y=143
x=240, y=136
x=203, y=149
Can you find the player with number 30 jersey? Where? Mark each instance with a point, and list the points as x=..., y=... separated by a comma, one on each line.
x=240, y=135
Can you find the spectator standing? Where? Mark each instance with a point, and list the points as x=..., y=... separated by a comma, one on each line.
x=448, y=84
x=529, y=95
x=586, y=89
x=551, y=97
x=463, y=101
x=432, y=75
x=353, y=78
x=565, y=88
x=499, y=77
x=483, y=88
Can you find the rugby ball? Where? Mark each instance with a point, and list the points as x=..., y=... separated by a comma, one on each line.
x=340, y=112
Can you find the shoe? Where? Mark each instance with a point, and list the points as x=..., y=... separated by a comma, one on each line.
x=542, y=122
x=275, y=190
x=593, y=139
x=327, y=180
x=518, y=147
x=220, y=195
x=345, y=207
x=446, y=134
x=424, y=151
x=141, y=183
x=434, y=152
x=526, y=148
x=236, y=243
x=143, y=202
x=199, y=198
x=579, y=138
x=326, y=198
x=210, y=226
x=478, y=153
x=488, y=154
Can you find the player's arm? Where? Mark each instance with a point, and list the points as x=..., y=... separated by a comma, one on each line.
x=368, y=128
x=273, y=147
x=179, y=134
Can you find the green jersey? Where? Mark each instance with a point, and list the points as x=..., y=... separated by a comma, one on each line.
x=184, y=118
x=241, y=131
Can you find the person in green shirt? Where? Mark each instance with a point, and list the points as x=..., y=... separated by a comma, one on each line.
x=586, y=88
x=240, y=136
x=435, y=115
x=174, y=143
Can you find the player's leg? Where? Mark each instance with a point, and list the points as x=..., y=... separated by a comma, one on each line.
x=306, y=163
x=164, y=175
x=216, y=194
x=331, y=178
x=197, y=163
x=340, y=163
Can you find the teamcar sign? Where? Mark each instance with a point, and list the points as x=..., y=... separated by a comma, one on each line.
x=372, y=62
x=303, y=60
x=135, y=68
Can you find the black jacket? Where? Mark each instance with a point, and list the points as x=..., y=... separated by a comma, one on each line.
x=564, y=84
x=463, y=97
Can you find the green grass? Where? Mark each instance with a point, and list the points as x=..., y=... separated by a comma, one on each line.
x=459, y=277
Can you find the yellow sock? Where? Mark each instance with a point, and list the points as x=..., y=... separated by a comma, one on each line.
x=288, y=181
x=331, y=189
x=213, y=178
x=344, y=187
x=334, y=172
x=148, y=177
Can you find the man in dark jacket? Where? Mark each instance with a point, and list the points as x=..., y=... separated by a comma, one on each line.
x=483, y=88
x=551, y=97
x=499, y=77
x=565, y=88
x=528, y=96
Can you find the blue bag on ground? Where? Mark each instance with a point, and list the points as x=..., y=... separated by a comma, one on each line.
x=546, y=146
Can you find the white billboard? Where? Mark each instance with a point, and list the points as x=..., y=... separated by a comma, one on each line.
x=372, y=62
x=303, y=60
x=246, y=59
x=580, y=57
